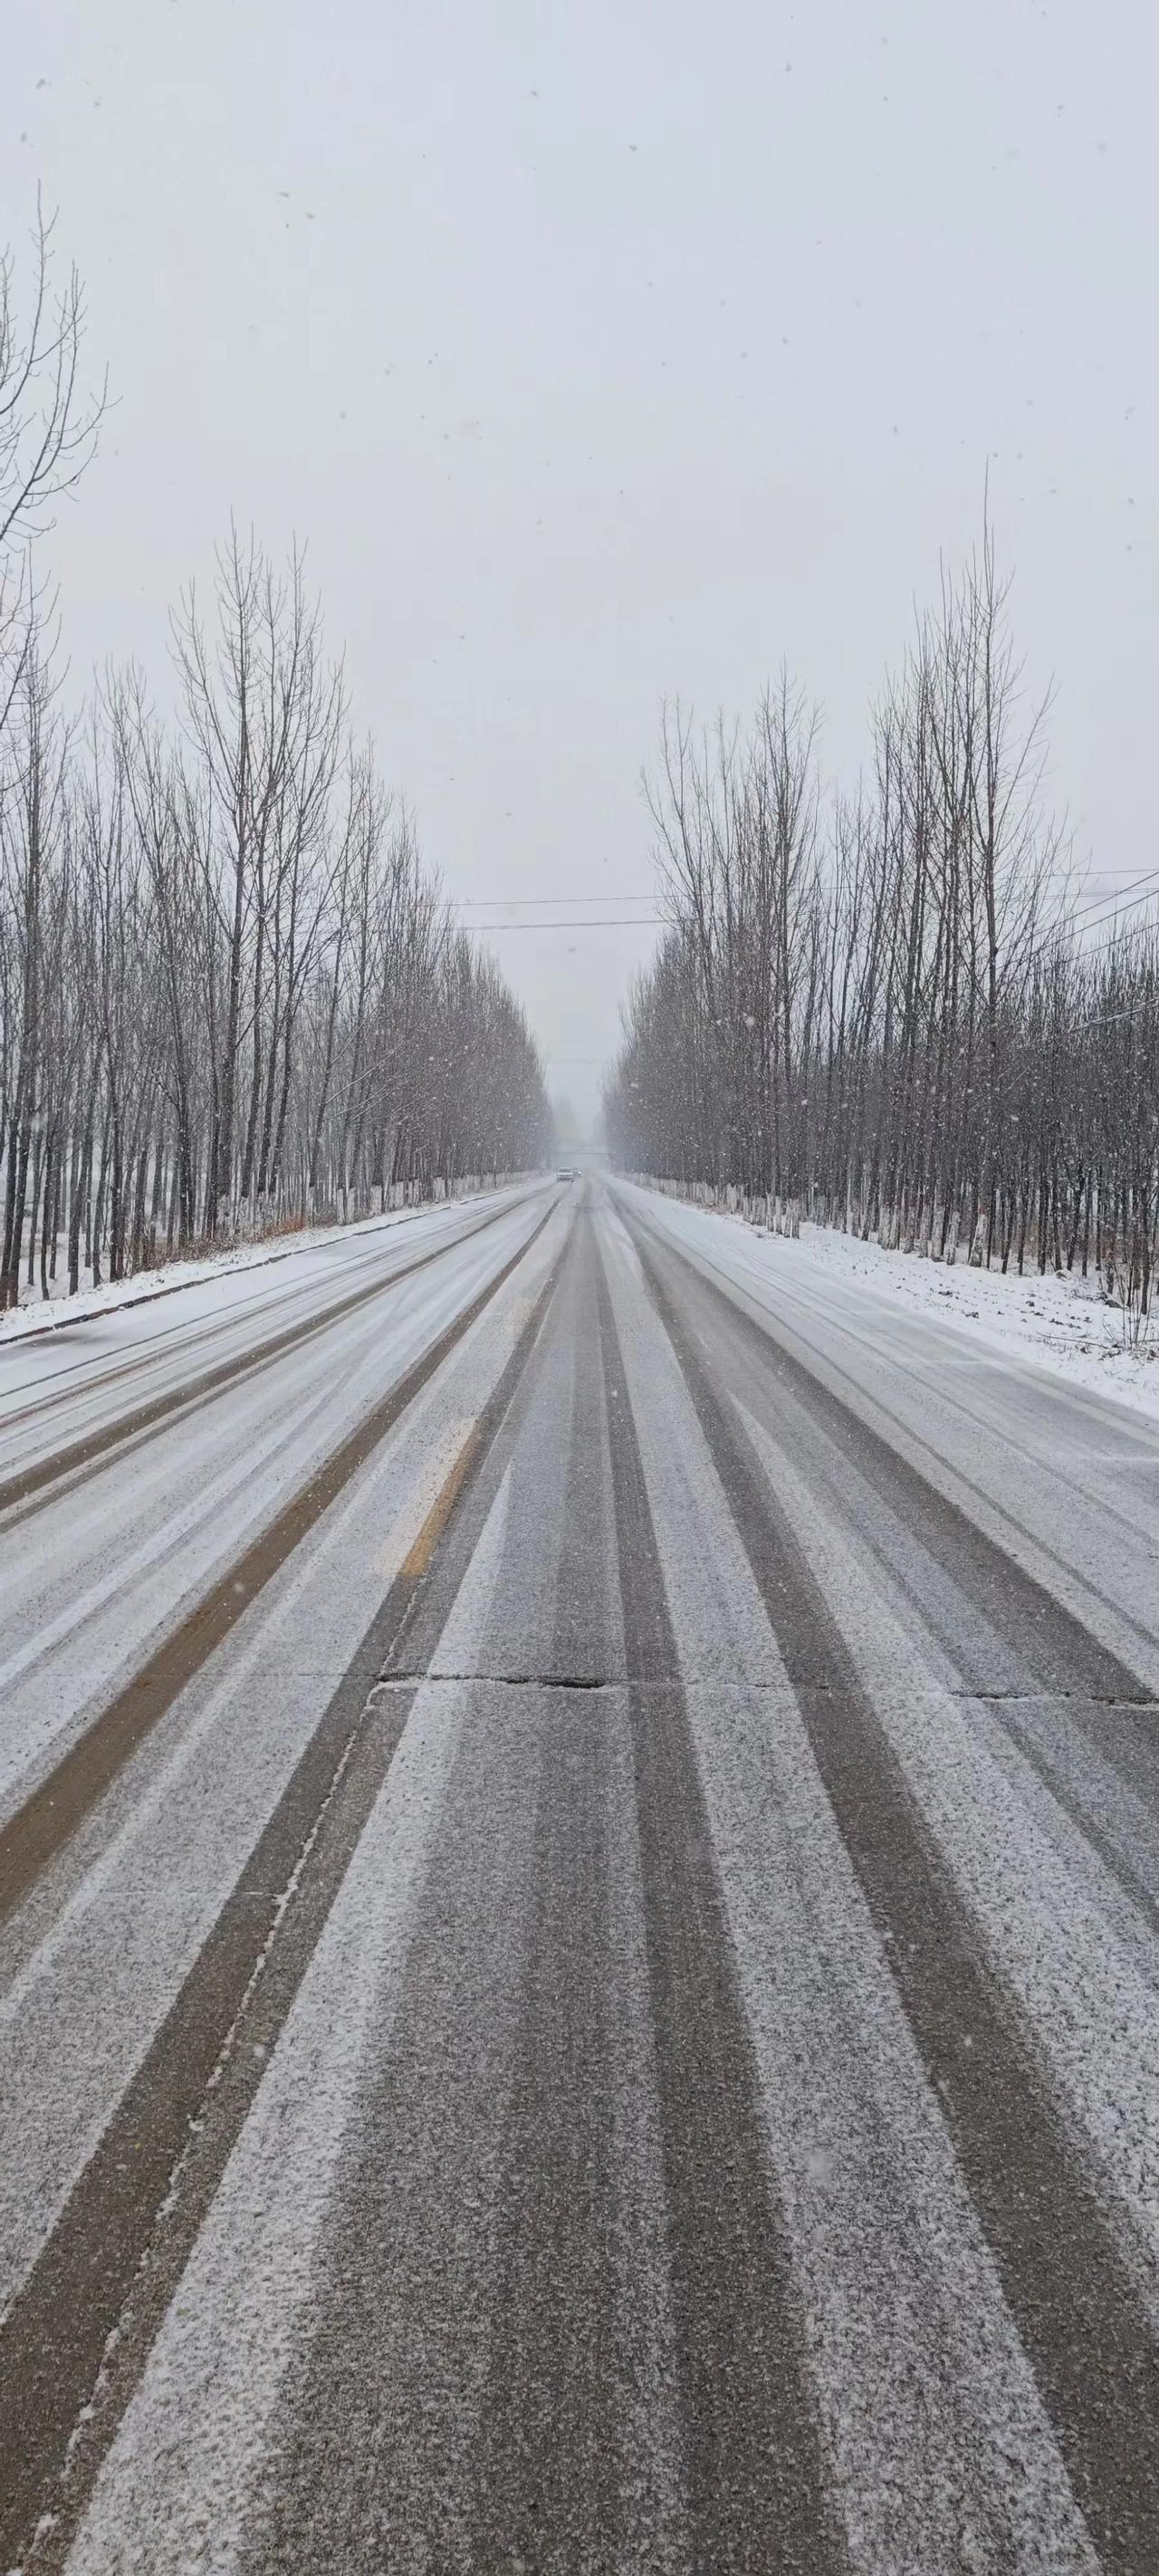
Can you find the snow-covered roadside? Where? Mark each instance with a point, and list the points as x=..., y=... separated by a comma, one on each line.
x=37, y=1317
x=1061, y=1324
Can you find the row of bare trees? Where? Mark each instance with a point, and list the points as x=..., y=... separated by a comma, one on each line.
x=886, y=1011
x=230, y=997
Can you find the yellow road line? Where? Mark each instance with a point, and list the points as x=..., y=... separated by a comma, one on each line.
x=409, y=1548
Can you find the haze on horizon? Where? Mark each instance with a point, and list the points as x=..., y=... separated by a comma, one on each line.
x=603, y=360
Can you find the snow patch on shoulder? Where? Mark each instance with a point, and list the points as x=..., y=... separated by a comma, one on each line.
x=1062, y=1324
x=39, y=1316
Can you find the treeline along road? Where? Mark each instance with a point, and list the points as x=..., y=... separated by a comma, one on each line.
x=904, y=1010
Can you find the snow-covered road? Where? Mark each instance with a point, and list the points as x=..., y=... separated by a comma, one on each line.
x=579, y=1923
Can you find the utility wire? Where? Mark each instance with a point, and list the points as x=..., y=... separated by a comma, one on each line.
x=1105, y=945
x=520, y=902
x=1110, y=1019
x=1113, y=912
x=1091, y=901
x=1113, y=909
x=604, y=921
x=1117, y=938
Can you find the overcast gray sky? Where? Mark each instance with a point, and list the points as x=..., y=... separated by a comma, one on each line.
x=611, y=351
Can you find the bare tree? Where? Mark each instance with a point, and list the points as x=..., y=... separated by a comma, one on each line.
x=895, y=1018
x=48, y=431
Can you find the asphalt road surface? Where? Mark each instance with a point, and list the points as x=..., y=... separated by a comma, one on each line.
x=579, y=1924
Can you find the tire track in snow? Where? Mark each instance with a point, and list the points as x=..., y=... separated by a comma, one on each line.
x=47, y=1820
x=1068, y=2288
x=75, y=2338
x=815, y=1387
x=757, y=2493
x=33, y=1487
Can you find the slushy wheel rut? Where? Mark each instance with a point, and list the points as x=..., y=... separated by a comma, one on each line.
x=33, y=1487
x=31, y=1838
x=80, y=2328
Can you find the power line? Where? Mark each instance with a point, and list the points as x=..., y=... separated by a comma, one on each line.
x=1092, y=875
x=520, y=902
x=1110, y=1019
x=608, y=921
x=1113, y=912
x=1116, y=941
x=1110, y=898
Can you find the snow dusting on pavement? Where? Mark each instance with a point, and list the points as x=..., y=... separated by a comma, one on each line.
x=1061, y=1323
x=39, y=1316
